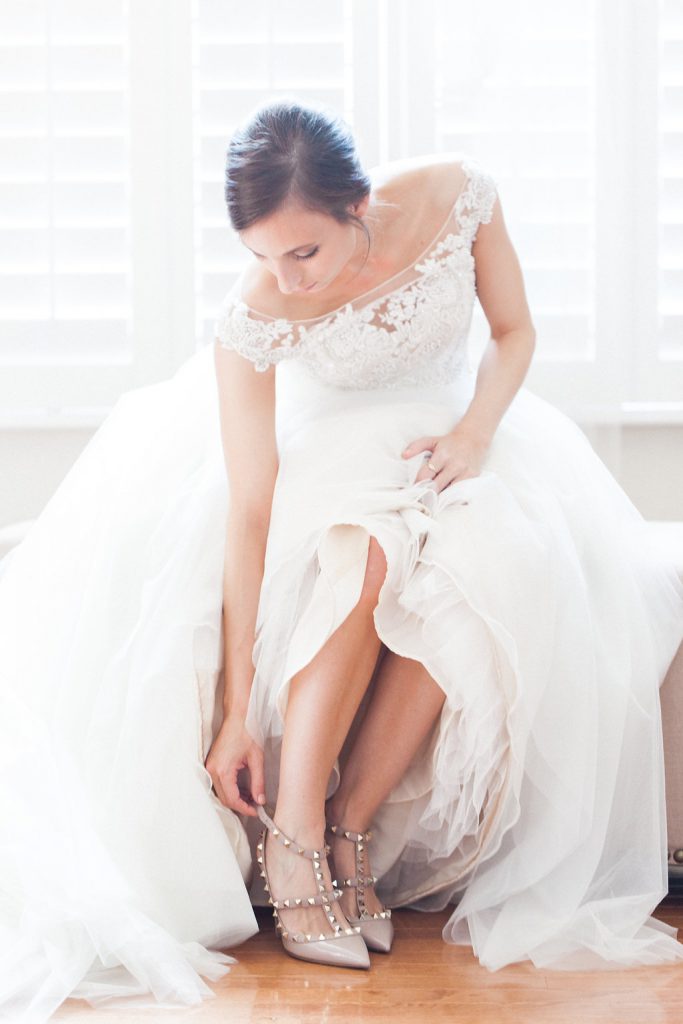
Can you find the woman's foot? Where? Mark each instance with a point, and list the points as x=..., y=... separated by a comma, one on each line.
x=294, y=876
x=343, y=861
x=360, y=903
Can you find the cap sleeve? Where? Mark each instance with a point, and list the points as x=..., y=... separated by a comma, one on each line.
x=262, y=342
x=478, y=198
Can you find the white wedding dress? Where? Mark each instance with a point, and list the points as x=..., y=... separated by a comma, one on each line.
x=530, y=593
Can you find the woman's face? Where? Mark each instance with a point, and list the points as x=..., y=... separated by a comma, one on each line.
x=305, y=250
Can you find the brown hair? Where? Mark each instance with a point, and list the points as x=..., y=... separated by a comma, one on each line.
x=288, y=150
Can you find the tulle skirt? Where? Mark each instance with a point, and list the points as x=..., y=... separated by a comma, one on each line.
x=121, y=873
x=530, y=593
x=534, y=598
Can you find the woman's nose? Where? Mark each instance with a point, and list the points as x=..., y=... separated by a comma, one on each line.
x=288, y=282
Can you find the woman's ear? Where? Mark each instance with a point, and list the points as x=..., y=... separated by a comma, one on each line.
x=360, y=208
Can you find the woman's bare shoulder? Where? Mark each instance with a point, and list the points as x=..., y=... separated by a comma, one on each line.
x=434, y=179
x=256, y=286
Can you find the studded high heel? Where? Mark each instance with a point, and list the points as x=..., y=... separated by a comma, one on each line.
x=377, y=929
x=346, y=947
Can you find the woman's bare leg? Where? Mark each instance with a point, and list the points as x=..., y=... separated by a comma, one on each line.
x=404, y=707
x=322, y=702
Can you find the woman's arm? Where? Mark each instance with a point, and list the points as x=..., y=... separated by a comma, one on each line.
x=245, y=546
x=508, y=354
x=247, y=415
x=504, y=364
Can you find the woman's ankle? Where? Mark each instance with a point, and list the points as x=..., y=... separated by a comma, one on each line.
x=344, y=811
x=307, y=828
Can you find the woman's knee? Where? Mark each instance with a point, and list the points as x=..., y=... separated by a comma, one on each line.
x=375, y=573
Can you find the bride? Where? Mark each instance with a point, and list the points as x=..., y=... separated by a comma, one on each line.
x=330, y=621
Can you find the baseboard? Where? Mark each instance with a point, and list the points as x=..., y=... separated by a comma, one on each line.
x=676, y=882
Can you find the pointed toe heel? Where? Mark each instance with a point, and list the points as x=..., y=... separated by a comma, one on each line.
x=335, y=951
x=378, y=934
x=346, y=946
x=377, y=929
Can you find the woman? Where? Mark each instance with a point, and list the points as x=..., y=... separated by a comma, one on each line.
x=441, y=621
x=461, y=531
x=469, y=537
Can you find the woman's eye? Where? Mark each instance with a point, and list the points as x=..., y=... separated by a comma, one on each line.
x=308, y=254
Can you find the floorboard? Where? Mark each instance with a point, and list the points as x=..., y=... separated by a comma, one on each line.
x=422, y=981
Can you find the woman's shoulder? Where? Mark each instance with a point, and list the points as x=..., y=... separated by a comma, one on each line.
x=431, y=181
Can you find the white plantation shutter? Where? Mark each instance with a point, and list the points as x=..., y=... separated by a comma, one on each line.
x=65, y=230
x=115, y=246
x=91, y=118
x=662, y=363
x=528, y=111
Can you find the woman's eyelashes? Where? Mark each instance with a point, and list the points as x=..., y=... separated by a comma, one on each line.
x=307, y=256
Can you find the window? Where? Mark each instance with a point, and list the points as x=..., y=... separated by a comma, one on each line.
x=115, y=119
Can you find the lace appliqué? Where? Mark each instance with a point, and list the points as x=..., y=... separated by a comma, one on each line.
x=478, y=201
x=415, y=334
x=261, y=342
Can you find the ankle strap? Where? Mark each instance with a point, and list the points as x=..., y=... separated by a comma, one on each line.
x=291, y=844
x=356, y=837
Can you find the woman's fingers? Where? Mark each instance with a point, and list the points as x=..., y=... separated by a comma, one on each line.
x=424, y=472
x=255, y=765
x=236, y=801
x=218, y=790
x=227, y=791
x=418, y=445
x=231, y=751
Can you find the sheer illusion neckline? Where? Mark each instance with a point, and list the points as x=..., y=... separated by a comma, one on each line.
x=436, y=240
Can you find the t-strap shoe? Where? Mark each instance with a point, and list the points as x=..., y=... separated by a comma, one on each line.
x=344, y=948
x=377, y=929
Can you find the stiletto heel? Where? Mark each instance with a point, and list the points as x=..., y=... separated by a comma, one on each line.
x=377, y=929
x=346, y=947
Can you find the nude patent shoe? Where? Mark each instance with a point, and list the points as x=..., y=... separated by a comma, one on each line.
x=377, y=929
x=346, y=947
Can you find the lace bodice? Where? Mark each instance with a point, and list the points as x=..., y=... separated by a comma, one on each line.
x=410, y=330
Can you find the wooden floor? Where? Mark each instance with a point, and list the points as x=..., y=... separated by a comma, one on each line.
x=423, y=981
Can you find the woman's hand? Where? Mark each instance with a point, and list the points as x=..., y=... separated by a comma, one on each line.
x=233, y=749
x=456, y=455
